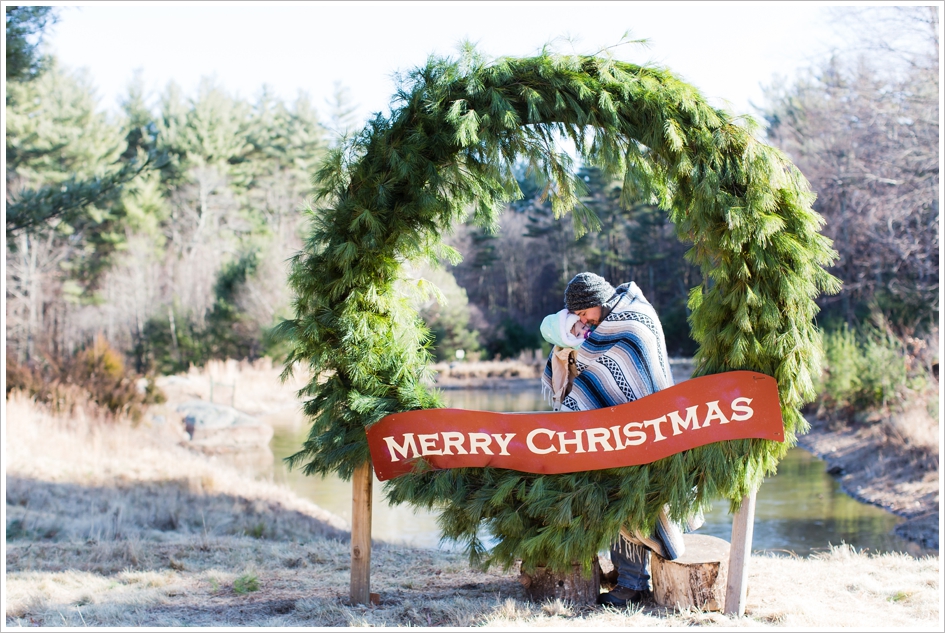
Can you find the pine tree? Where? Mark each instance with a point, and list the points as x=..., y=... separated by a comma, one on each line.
x=637, y=242
x=447, y=316
x=448, y=148
x=25, y=26
x=558, y=236
x=342, y=113
x=66, y=169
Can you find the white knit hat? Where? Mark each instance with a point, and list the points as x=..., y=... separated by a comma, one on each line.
x=556, y=329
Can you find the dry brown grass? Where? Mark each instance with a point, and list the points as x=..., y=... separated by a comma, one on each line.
x=915, y=428
x=306, y=584
x=83, y=479
x=119, y=526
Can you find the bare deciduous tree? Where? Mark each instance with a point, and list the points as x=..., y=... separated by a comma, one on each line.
x=864, y=130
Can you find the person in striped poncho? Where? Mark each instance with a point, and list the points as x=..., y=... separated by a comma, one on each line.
x=623, y=359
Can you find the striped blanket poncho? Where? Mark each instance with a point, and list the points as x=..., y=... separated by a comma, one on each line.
x=624, y=358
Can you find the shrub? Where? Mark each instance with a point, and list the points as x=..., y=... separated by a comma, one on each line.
x=170, y=344
x=22, y=377
x=173, y=341
x=95, y=373
x=448, y=318
x=840, y=380
x=885, y=376
x=100, y=370
x=870, y=371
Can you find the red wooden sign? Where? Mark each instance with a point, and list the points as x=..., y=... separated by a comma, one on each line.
x=727, y=406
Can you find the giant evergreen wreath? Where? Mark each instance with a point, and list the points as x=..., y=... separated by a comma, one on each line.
x=448, y=147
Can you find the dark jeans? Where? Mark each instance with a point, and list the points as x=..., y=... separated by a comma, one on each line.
x=632, y=562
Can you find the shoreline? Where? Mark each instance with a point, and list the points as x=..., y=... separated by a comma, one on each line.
x=873, y=468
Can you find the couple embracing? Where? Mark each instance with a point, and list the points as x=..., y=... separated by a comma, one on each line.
x=609, y=349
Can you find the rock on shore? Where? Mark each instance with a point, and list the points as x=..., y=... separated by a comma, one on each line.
x=218, y=428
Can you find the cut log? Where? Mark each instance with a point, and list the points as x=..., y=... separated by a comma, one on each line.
x=697, y=579
x=571, y=586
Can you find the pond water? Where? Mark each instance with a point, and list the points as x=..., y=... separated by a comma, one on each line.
x=801, y=510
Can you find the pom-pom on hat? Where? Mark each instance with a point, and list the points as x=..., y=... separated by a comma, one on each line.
x=587, y=290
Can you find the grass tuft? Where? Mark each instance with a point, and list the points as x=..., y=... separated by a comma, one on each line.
x=899, y=596
x=247, y=583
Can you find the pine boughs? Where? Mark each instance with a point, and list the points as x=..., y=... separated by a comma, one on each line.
x=448, y=148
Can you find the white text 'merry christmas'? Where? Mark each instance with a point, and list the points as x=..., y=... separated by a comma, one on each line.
x=542, y=441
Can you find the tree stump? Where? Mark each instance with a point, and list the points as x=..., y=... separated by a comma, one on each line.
x=697, y=579
x=571, y=586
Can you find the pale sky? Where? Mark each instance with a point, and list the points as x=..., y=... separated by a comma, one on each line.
x=726, y=49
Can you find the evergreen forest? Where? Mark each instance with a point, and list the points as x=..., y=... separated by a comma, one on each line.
x=146, y=241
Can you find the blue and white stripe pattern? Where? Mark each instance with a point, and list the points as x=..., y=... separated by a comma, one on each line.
x=623, y=359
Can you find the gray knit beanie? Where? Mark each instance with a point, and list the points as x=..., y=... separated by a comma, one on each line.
x=585, y=291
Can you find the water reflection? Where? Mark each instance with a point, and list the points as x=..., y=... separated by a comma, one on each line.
x=801, y=510
x=400, y=524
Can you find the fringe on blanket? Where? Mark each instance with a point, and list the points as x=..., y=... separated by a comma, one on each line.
x=667, y=538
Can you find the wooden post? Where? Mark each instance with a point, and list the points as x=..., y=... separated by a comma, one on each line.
x=742, y=527
x=362, y=482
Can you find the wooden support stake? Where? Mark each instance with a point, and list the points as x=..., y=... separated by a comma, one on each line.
x=362, y=482
x=743, y=526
